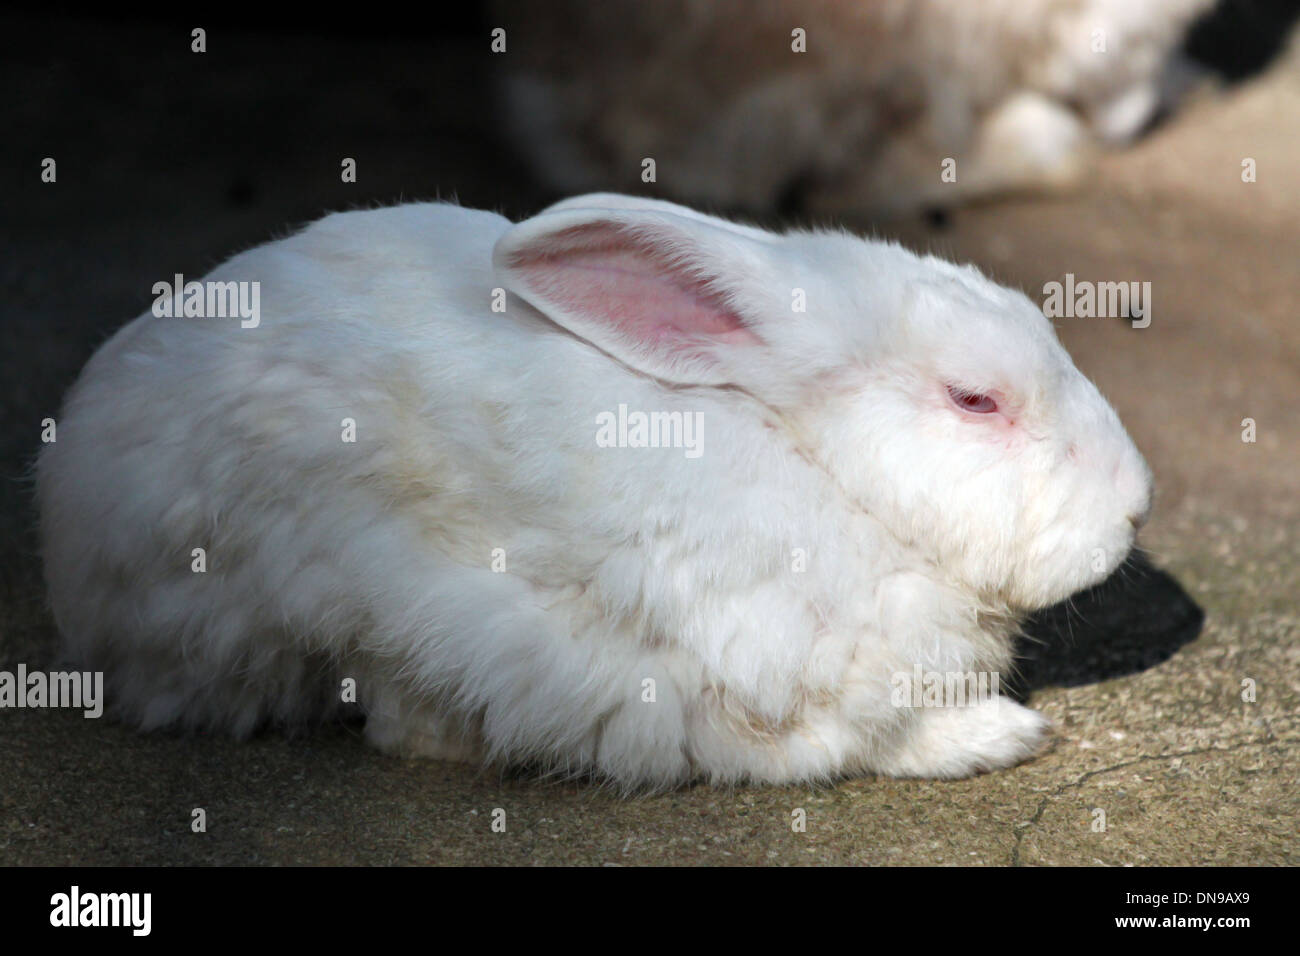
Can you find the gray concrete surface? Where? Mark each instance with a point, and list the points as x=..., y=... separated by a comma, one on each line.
x=1186, y=772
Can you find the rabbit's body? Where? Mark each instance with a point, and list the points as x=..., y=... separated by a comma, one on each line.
x=858, y=114
x=498, y=585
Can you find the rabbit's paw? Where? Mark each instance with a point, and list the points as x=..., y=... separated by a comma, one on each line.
x=960, y=741
x=424, y=736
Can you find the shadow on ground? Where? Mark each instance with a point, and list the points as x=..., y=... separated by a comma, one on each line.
x=1137, y=618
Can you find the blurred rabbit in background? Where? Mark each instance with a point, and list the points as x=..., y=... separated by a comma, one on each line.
x=856, y=114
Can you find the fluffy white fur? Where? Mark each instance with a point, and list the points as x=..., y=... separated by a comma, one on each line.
x=927, y=530
x=1017, y=92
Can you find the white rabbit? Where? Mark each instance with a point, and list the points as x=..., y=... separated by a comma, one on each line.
x=893, y=459
x=837, y=105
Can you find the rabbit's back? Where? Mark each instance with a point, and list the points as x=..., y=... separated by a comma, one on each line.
x=221, y=502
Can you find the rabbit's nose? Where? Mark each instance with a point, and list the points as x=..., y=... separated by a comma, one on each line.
x=1134, y=488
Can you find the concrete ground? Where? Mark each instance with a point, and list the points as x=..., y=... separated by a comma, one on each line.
x=169, y=163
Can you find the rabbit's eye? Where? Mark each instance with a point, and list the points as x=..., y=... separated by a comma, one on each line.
x=972, y=401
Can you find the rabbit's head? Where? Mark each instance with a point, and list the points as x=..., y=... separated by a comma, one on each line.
x=937, y=401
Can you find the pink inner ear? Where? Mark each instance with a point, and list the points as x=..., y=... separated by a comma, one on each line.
x=631, y=293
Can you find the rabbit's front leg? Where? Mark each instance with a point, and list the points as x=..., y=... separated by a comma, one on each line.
x=960, y=741
x=411, y=729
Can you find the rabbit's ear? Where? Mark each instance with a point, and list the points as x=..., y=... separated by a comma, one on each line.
x=651, y=287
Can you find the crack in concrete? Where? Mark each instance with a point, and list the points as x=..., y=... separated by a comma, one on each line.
x=1021, y=829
